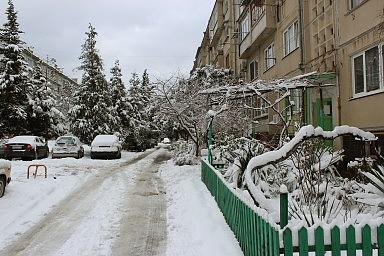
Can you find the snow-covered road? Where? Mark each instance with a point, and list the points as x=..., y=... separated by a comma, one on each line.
x=112, y=208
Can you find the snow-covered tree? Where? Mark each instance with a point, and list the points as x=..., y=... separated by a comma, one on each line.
x=144, y=132
x=91, y=114
x=122, y=108
x=13, y=78
x=44, y=119
x=188, y=107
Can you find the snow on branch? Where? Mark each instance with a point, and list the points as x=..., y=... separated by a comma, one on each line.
x=272, y=157
x=264, y=86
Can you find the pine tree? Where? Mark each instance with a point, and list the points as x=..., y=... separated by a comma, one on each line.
x=91, y=115
x=13, y=78
x=144, y=134
x=44, y=119
x=121, y=105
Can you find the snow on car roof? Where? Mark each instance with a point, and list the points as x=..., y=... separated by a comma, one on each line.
x=105, y=138
x=22, y=139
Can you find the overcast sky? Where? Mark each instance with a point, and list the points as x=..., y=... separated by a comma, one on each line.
x=160, y=35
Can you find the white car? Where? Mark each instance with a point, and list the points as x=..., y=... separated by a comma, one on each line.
x=67, y=146
x=106, y=146
x=5, y=175
x=166, y=141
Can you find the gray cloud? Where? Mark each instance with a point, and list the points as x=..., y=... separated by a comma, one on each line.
x=160, y=35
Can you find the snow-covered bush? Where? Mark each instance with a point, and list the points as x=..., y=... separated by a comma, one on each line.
x=237, y=152
x=184, y=153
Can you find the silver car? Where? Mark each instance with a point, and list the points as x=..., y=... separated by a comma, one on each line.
x=68, y=146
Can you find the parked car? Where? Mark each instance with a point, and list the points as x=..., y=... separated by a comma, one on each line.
x=26, y=148
x=166, y=141
x=67, y=146
x=106, y=146
x=5, y=175
x=2, y=142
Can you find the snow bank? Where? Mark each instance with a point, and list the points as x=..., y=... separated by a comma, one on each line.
x=195, y=223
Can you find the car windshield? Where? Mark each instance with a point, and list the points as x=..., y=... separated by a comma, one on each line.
x=65, y=141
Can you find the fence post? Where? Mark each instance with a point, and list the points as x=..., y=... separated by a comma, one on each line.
x=210, y=141
x=283, y=206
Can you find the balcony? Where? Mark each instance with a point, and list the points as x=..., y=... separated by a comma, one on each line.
x=216, y=22
x=262, y=28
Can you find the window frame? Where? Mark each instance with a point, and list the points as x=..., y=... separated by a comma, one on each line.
x=244, y=34
x=255, y=70
x=295, y=26
x=380, y=47
x=267, y=58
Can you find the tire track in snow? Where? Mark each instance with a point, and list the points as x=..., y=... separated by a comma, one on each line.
x=51, y=233
x=143, y=231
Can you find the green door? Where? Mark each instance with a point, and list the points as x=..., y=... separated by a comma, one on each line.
x=323, y=117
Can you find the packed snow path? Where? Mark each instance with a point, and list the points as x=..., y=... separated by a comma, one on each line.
x=143, y=227
x=120, y=211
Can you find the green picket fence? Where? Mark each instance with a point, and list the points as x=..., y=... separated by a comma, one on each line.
x=372, y=241
x=258, y=237
x=255, y=235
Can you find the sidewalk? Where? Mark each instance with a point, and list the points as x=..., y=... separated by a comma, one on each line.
x=195, y=225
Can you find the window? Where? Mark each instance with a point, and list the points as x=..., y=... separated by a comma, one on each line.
x=244, y=30
x=270, y=59
x=291, y=38
x=368, y=71
x=296, y=98
x=355, y=3
x=262, y=107
x=253, y=70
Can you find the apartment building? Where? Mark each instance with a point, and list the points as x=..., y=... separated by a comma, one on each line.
x=341, y=40
x=218, y=46
x=61, y=84
x=360, y=66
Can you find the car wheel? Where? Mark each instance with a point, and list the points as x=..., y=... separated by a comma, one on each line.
x=2, y=186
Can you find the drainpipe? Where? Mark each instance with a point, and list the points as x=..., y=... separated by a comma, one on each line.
x=301, y=29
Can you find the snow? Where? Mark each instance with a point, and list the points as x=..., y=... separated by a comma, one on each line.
x=196, y=226
x=4, y=164
x=26, y=201
x=281, y=153
x=22, y=139
x=283, y=189
x=104, y=139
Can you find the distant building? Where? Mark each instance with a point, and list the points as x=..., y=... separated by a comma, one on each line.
x=61, y=84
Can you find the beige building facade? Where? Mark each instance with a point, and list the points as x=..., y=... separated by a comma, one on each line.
x=342, y=40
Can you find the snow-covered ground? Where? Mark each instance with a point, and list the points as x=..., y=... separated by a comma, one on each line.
x=139, y=205
x=196, y=227
x=26, y=201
